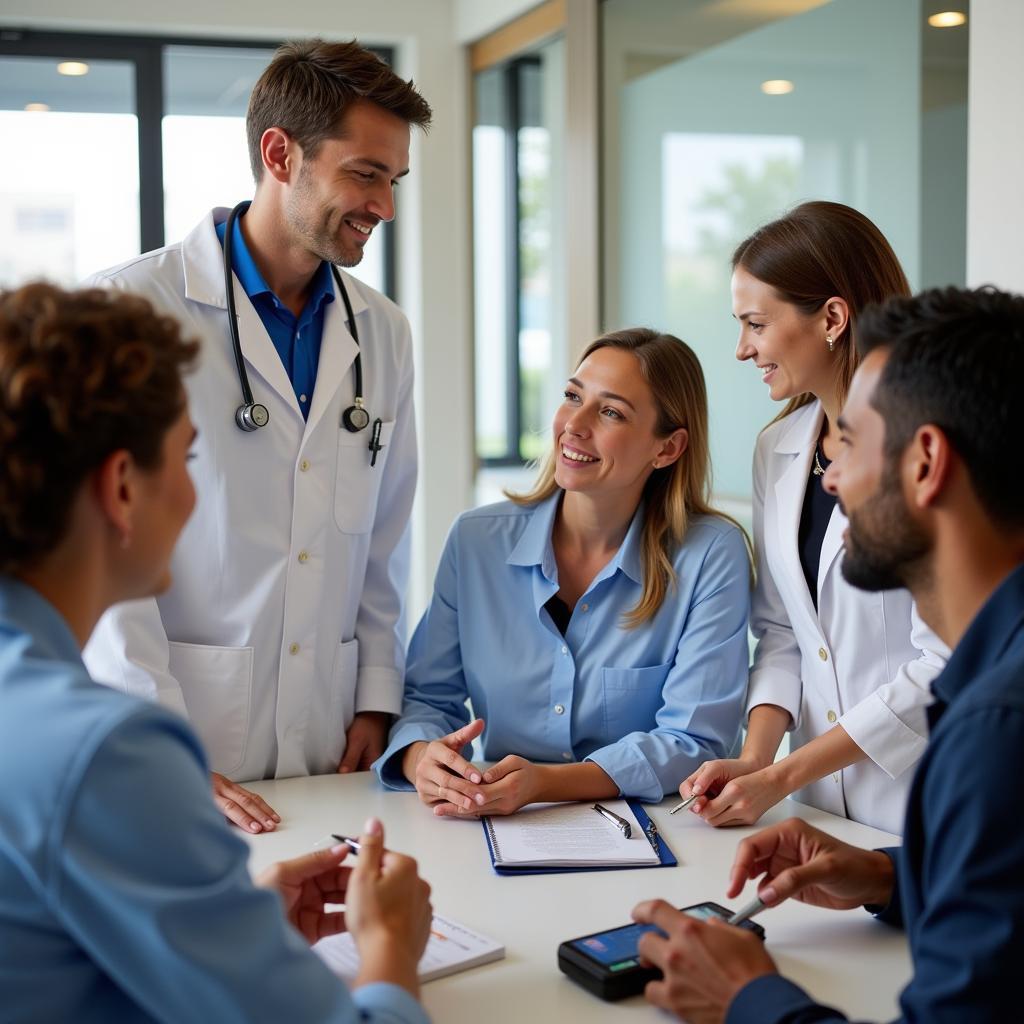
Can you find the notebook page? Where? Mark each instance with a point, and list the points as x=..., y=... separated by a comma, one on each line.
x=568, y=834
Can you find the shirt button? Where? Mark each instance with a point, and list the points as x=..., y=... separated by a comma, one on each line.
x=293, y=648
x=303, y=557
x=304, y=465
x=584, y=607
x=565, y=650
x=831, y=716
x=823, y=654
x=559, y=709
x=566, y=755
x=302, y=398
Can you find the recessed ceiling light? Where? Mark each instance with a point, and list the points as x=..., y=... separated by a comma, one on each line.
x=947, y=19
x=73, y=67
x=37, y=108
x=777, y=86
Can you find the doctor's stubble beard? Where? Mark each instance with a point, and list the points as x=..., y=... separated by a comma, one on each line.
x=307, y=219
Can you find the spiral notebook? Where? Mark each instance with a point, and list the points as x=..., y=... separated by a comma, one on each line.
x=574, y=837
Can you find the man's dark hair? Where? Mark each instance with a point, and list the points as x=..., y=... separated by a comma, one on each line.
x=308, y=87
x=956, y=360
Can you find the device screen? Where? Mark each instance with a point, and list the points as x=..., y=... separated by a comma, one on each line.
x=706, y=911
x=616, y=948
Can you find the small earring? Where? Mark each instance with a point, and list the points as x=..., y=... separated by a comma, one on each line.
x=831, y=343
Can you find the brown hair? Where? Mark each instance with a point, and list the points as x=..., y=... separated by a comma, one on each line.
x=816, y=251
x=308, y=87
x=674, y=493
x=82, y=374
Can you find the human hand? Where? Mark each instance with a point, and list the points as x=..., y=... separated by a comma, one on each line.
x=388, y=912
x=305, y=884
x=704, y=963
x=246, y=809
x=508, y=785
x=441, y=775
x=364, y=741
x=711, y=777
x=743, y=800
x=804, y=863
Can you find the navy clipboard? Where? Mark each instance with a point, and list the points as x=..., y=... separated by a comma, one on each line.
x=665, y=855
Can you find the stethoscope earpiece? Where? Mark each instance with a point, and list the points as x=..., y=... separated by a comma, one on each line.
x=252, y=416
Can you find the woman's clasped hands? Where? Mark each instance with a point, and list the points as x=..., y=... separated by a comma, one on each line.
x=454, y=787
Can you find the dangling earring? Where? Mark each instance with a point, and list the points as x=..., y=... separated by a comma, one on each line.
x=831, y=343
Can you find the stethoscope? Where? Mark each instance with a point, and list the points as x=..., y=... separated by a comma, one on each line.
x=250, y=415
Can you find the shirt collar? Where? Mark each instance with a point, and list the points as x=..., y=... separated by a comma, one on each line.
x=26, y=610
x=244, y=266
x=534, y=546
x=986, y=640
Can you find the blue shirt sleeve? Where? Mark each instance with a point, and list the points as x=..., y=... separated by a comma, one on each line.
x=434, y=703
x=774, y=1000
x=149, y=879
x=703, y=693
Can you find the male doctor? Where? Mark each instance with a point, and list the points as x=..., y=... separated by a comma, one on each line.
x=280, y=638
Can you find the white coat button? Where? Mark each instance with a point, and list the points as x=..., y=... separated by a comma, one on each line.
x=304, y=465
x=559, y=709
x=566, y=755
x=823, y=654
x=831, y=716
x=303, y=557
x=293, y=648
x=584, y=607
x=565, y=650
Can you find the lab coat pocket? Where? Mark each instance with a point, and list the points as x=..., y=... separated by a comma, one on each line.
x=343, y=696
x=632, y=697
x=357, y=483
x=217, y=685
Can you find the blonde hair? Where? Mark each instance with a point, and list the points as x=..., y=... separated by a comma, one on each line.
x=674, y=493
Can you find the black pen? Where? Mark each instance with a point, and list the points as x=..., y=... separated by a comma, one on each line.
x=620, y=823
x=352, y=844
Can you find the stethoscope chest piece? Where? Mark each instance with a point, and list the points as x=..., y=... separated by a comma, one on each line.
x=355, y=417
x=252, y=416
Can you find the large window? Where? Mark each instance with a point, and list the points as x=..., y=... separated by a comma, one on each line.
x=720, y=116
x=124, y=143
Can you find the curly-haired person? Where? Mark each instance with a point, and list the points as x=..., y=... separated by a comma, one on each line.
x=114, y=906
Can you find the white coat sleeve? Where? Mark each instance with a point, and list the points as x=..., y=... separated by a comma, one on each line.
x=380, y=622
x=775, y=677
x=891, y=724
x=128, y=650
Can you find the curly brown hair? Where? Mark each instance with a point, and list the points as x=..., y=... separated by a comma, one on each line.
x=82, y=374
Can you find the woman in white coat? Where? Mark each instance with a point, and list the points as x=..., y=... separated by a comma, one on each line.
x=847, y=672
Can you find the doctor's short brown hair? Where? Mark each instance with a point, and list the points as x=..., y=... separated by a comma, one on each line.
x=309, y=86
x=83, y=374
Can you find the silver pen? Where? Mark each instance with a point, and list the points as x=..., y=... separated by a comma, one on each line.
x=686, y=803
x=620, y=823
x=755, y=906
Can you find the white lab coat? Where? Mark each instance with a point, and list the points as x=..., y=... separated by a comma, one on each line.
x=284, y=616
x=864, y=660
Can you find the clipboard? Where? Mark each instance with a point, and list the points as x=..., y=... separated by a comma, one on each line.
x=666, y=858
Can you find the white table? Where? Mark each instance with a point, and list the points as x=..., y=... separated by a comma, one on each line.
x=847, y=959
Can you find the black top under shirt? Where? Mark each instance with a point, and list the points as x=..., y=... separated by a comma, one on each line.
x=814, y=519
x=560, y=613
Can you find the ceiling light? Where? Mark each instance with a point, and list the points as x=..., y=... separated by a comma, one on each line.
x=777, y=86
x=37, y=108
x=73, y=67
x=947, y=19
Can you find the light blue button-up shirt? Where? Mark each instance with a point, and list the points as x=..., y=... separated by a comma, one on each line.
x=647, y=704
x=124, y=896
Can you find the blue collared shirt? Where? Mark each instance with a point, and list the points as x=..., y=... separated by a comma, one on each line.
x=124, y=895
x=647, y=704
x=960, y=872
x=297, y=339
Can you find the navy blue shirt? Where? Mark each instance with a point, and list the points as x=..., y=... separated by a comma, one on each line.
x=960, y=872
x=297, y=339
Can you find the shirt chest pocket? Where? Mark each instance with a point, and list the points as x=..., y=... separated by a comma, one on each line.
x=357, y=484
x=632, y=698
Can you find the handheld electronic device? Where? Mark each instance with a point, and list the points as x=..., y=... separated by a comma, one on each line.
x=607, y=963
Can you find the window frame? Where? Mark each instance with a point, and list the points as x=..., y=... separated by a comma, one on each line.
x=146, y=55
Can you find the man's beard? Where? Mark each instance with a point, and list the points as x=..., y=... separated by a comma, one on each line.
x=304, y=217
x=885, y=548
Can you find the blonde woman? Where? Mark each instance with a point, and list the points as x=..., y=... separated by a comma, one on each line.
x=598, y=624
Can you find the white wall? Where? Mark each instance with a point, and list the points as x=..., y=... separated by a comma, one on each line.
x=476, y=18
x=995, y=164
x=432, y=224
